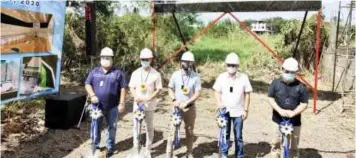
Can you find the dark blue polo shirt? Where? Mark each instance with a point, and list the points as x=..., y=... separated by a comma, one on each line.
x=107, y=86
x=288, y=97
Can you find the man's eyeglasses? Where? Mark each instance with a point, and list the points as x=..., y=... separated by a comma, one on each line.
x=145, y=59
x=289, y=72
x=106, y=57
x=232, y=65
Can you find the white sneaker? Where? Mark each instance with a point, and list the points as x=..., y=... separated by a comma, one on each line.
x=148, y=154
x=275, y=154
x=190, y=155
x=223, y=156
x=170, y=155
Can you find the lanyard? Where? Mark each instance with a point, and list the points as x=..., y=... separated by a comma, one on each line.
x=146, y=76
x=186, y=79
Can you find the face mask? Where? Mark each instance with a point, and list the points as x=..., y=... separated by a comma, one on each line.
x=231, y=70
x=145, y=64
x=288, y=77
x=106, y=62
x=185, y=65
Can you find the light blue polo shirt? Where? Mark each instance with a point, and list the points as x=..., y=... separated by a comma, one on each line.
x=191, y=81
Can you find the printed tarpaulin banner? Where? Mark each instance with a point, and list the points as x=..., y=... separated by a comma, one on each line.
x=31, y=48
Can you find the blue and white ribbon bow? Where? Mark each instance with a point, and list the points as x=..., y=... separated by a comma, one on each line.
x=95, y=114
x=286, y=129
x=176, y=120
x=221, y=121
x=140, y=112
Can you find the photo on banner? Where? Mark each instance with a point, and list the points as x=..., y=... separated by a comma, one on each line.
x=25, y=31
x=38, y=74
x=9, y=78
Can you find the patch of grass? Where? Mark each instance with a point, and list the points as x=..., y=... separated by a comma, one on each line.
x=13, y=107
x=212, y=49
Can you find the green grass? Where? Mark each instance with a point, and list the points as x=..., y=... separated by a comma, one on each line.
x=211, y=49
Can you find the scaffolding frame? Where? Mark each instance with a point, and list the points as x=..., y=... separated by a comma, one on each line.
x=173, y=6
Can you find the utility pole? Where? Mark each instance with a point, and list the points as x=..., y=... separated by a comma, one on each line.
x=90, y=32
x=336, y=45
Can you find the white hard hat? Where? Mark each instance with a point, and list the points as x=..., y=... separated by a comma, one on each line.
x=146, y=53
x=187, y=56
x=107, y=52
x=232, y=58
x=290, y=64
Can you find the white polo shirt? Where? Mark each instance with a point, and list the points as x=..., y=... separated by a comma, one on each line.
x=233, y=101
x=153, y=81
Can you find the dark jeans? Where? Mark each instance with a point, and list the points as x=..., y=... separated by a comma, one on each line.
x=110, y=117
x=237, y=123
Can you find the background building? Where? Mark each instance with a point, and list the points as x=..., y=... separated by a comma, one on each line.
x=262, y=27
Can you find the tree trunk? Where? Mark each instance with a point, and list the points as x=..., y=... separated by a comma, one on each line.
x=78, y=43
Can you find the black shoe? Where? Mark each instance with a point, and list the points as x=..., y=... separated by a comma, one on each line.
x=109, y=154
x=94, y=148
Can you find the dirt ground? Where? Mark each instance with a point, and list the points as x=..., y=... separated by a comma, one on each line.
x=327, y=134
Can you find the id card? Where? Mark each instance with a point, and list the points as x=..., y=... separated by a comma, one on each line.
x=101, y=83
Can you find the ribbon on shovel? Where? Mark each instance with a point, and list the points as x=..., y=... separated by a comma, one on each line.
x=221, y=121
x=176, y=120
x=139, y=116
x=95, y=114
x=286, y=129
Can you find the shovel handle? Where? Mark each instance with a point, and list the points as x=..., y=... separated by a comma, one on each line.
x=85, y=106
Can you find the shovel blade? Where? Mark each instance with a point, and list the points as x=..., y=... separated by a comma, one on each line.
x=137, y=152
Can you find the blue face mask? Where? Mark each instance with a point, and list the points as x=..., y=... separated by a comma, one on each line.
x=288, y=77
x=145, y=63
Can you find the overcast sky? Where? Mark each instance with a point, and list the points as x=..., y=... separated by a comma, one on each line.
x=330, y=8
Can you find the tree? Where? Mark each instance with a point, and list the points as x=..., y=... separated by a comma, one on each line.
x=102, y=7
x=223, y=28
x=126, y=35
x=277, y=23
x=306, y=49
x=249, y=22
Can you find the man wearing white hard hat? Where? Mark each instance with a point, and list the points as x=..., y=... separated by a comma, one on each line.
x=289, y=98
x=105, y=86
x=232, y=92
x=145, y=84
x=184, y=89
